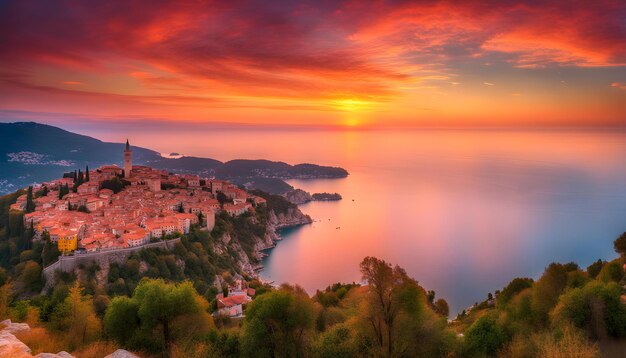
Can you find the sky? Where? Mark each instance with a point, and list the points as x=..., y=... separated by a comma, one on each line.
x=339, y=64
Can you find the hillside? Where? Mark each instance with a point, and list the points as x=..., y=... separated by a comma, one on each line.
x=32, y=152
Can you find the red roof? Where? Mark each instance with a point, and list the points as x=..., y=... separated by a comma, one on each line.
x=231, y=301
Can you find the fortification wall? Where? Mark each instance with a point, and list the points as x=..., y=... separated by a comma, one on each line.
x=71, y=263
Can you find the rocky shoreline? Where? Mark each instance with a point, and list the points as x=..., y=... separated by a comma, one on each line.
x=293, y=217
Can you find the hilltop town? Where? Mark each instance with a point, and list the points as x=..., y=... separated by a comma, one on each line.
x=113, y=208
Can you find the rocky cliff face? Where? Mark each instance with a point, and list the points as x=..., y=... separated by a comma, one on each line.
x=298, y=196
x=293, y=217
x=227, y=244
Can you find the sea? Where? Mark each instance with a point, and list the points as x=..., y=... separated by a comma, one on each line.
x=462, y=211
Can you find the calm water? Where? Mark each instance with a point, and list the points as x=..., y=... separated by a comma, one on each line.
x=463, y=212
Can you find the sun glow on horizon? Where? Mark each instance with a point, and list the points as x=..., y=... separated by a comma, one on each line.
x=305, y=63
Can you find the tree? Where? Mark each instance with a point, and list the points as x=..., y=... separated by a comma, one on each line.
x=222, y=198
x=547, y=290
x=389, y=288
x=6, y=296
x=596, y=307
x=42, y=192
x=620, y=244
x=514, y=287
x=613, y=271
x=278, y=323
x=63, y=190
x=87, y=173
x=121, y=319
x=31, y=276
x=50, y=252
x=28, y=235
x=594, y=269
x=30, y=204
x=160, y=303
x=336, y=342
x=75, y=316
x=484, y=337
x=441, y=307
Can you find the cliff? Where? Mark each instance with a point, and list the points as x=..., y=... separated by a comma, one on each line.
x=298, y=196
x=231, y=243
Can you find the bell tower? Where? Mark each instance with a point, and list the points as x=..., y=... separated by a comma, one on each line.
x=128, y=160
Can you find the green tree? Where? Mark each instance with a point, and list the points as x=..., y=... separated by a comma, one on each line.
x=278, y=324
x=613, y=271
x=484, y=337
x=30, y=204
x=63, y=190
x=87, y=173
x=160, y=303
x=121, y=319
x=594, y=269
x=337, y=341
x=50, y=253
x=546, y=291
x=31, y=277
x=514, y=287
x=28, y=236
x=595, y=307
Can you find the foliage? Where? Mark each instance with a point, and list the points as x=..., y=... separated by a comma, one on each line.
x=156, y=305
x=620, y=244
x=595, y=307
x=594, y=269
x=514, y=287
x=76, y=317
x=612, y=271
x=30, y=204
x=115, y=184
x=277, y=203
x=278, y=324
x=485, y=337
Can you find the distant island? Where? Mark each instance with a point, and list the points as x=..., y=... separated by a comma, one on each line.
x=34, y=153
x=299, y=196
x=326, y=196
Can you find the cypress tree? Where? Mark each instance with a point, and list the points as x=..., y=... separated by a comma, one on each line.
x=28, y=236
x=30, y=205
x=87, y=173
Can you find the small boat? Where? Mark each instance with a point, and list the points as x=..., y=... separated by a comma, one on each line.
x=338, y=227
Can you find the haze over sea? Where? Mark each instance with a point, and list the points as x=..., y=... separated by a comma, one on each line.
x=464, y=212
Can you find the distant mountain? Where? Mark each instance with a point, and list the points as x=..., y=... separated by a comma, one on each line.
x=32, y=152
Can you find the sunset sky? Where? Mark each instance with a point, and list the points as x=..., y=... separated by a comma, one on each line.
x=315, y=63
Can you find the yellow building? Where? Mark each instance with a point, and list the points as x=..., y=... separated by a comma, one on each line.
x=68, y=242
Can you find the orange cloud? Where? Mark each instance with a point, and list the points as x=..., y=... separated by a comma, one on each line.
x=309, y=56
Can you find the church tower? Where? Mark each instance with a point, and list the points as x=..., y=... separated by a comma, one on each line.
x=128, y=160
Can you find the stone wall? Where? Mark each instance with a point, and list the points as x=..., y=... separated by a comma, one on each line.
x=70, y=263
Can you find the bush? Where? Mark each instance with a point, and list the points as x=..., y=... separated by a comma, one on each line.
x=484, y=337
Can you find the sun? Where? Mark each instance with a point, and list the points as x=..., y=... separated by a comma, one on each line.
x=351, y=105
